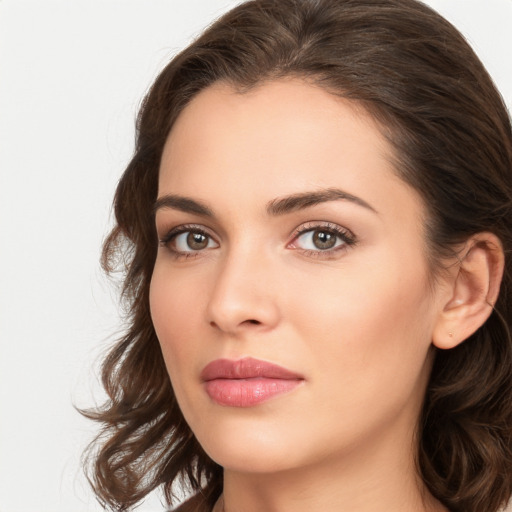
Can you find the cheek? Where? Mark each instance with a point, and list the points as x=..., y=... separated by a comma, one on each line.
x=379, y=292
x=366, y=342
x=176, y=307
x=368, y=326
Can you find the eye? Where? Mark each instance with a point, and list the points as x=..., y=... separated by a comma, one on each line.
x=316, y=239
x=320, y=240
x=185, y=240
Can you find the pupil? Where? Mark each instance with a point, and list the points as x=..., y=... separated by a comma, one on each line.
x=324, y=240
x=197, y=241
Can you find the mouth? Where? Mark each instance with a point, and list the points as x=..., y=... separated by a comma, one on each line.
x=247, y=382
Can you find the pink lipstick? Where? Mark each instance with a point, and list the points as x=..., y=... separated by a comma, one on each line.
x=246, y=382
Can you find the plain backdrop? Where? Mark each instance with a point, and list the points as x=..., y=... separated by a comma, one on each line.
x=72, y=74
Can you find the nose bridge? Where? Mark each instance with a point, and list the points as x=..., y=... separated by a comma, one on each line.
x=243, y=294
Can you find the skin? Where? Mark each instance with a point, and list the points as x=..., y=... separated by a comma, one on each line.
x=356, y=321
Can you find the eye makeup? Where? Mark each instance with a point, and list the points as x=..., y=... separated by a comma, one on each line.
x=320, y=239
x=316, y=239
x=196, y=241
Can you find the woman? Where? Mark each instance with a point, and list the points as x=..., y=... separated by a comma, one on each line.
x=315, y=228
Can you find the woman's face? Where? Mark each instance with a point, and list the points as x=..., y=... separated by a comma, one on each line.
x=291, y=292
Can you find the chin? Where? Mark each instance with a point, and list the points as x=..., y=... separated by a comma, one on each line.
x=248, y=450
x=254, y=461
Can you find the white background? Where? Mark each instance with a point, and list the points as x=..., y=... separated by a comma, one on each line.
x=72, y=74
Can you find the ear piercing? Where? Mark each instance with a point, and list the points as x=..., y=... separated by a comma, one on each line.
x=450, y=334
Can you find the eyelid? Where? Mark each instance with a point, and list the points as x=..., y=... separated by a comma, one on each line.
x=322, y=224
x=174, y=232
x=181, y=228
x=345, y=234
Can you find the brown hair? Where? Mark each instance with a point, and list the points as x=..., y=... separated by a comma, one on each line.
x=439, y=109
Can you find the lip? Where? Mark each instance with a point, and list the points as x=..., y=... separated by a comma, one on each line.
x=247, y=382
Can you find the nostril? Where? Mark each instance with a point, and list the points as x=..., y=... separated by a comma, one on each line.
x=251, y=321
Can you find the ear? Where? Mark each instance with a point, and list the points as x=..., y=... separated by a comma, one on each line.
x=473, y=291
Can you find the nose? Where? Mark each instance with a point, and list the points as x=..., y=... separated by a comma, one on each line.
x=245, y=296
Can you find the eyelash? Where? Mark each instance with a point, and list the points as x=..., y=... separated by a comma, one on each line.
x=347, y=238
x=179, y=230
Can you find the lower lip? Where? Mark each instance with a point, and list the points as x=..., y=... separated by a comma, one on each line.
x=248, y=392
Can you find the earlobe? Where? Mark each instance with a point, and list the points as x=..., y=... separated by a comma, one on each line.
x=473, y=291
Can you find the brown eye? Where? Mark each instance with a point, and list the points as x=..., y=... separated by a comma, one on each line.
x=319, y=240
x=188, y=241
x=323, y=240
x=197, y=241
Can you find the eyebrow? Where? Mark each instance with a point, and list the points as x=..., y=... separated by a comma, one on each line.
x=281, y=206
x=276, y=207
x=183, y=204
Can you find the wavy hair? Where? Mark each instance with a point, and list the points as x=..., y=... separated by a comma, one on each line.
x=437, y=106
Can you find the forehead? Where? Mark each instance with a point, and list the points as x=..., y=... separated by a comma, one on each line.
x=279, y=138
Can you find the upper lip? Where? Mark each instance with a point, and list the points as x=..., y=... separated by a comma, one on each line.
x=246, y=368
